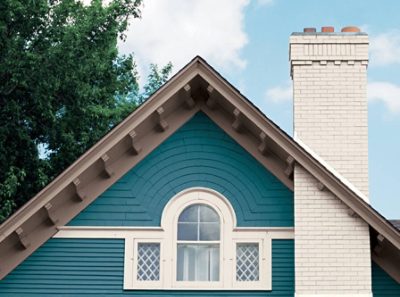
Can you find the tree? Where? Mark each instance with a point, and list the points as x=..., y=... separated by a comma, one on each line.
x=63, y=85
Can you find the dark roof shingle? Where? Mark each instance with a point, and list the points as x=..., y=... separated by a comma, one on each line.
x=395, y=223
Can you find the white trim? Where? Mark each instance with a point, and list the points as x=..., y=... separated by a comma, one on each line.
x=264, y=282
x=128, y=263
x=170, y=222
x=268, y=264
x=333, y=295
x=344, y=180
x=146, y=284
x=269, y=229
x=166, y=235
x=198, y=195
x=108, y=228
x=107, y=233
x=124, y=232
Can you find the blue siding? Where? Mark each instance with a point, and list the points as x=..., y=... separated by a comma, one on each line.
x=94, y=267
x=198, y=154
x=382, y=284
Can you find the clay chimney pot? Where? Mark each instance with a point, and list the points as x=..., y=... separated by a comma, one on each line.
x=350, y=29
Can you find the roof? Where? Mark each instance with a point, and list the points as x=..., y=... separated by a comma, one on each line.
x=197, y=87
x=396, y=224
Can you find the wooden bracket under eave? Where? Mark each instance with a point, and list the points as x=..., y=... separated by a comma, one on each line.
x=106, y=165
x=379, y=244
x=237, y=124
x=211, y=100
x=263, y=147
x=321, y=186
x=23, y=239
x=162, y=123
x=50, y=213
x=189, y=101
x=289, y=166
x=352, y=213
x=78, y=189
x=135, y=148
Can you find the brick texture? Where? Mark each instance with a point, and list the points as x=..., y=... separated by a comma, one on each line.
x=330, y=116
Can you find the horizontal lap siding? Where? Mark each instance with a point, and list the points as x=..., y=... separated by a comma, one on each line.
x=382, y=284
x=94, y=267
x=199, y=154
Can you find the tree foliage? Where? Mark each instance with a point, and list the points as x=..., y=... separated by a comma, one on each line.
x=63, y=85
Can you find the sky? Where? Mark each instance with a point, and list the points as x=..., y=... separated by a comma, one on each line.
x=247, y=42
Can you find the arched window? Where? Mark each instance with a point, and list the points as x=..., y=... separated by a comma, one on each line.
x=198, y=244
x=199, y=247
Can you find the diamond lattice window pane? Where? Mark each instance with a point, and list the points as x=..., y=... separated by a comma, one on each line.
x=247, y=262
x=148, y=267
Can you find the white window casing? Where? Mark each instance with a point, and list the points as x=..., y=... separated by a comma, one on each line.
x=166, y=237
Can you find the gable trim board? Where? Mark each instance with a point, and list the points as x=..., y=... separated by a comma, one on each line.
x=197, y=87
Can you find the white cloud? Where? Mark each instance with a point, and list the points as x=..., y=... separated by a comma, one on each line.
x=385, y=48
x=178, y=30
x=278, y=94
x=387, y=93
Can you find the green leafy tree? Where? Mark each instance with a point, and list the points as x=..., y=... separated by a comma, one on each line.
x=63, y=85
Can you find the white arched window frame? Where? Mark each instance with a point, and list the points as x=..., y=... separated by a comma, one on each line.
x=151, y=252
x=227, y=218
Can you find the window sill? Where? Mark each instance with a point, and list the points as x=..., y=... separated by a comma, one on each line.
x=250, y=288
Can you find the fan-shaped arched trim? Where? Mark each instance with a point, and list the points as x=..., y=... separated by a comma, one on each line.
x=198, y=195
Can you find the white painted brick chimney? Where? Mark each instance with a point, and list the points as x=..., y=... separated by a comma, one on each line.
x=330, y=116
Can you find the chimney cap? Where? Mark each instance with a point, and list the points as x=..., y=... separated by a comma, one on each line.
x=351, y=29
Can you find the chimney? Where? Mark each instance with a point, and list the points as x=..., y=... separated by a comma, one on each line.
x=329, y=72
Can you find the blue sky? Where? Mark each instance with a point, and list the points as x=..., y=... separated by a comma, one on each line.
x=247, y=41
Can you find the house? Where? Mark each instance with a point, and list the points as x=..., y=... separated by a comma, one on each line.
x=197, y=193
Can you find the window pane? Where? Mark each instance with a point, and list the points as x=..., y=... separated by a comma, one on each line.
x=247, y=262
x=209, y=231
x=198, y=222
x=198, y=262
x=207, y=214
x=190, y=214
x=148, y=257
x=187, y=231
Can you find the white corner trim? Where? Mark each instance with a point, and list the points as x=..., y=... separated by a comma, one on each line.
x=330, y=168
